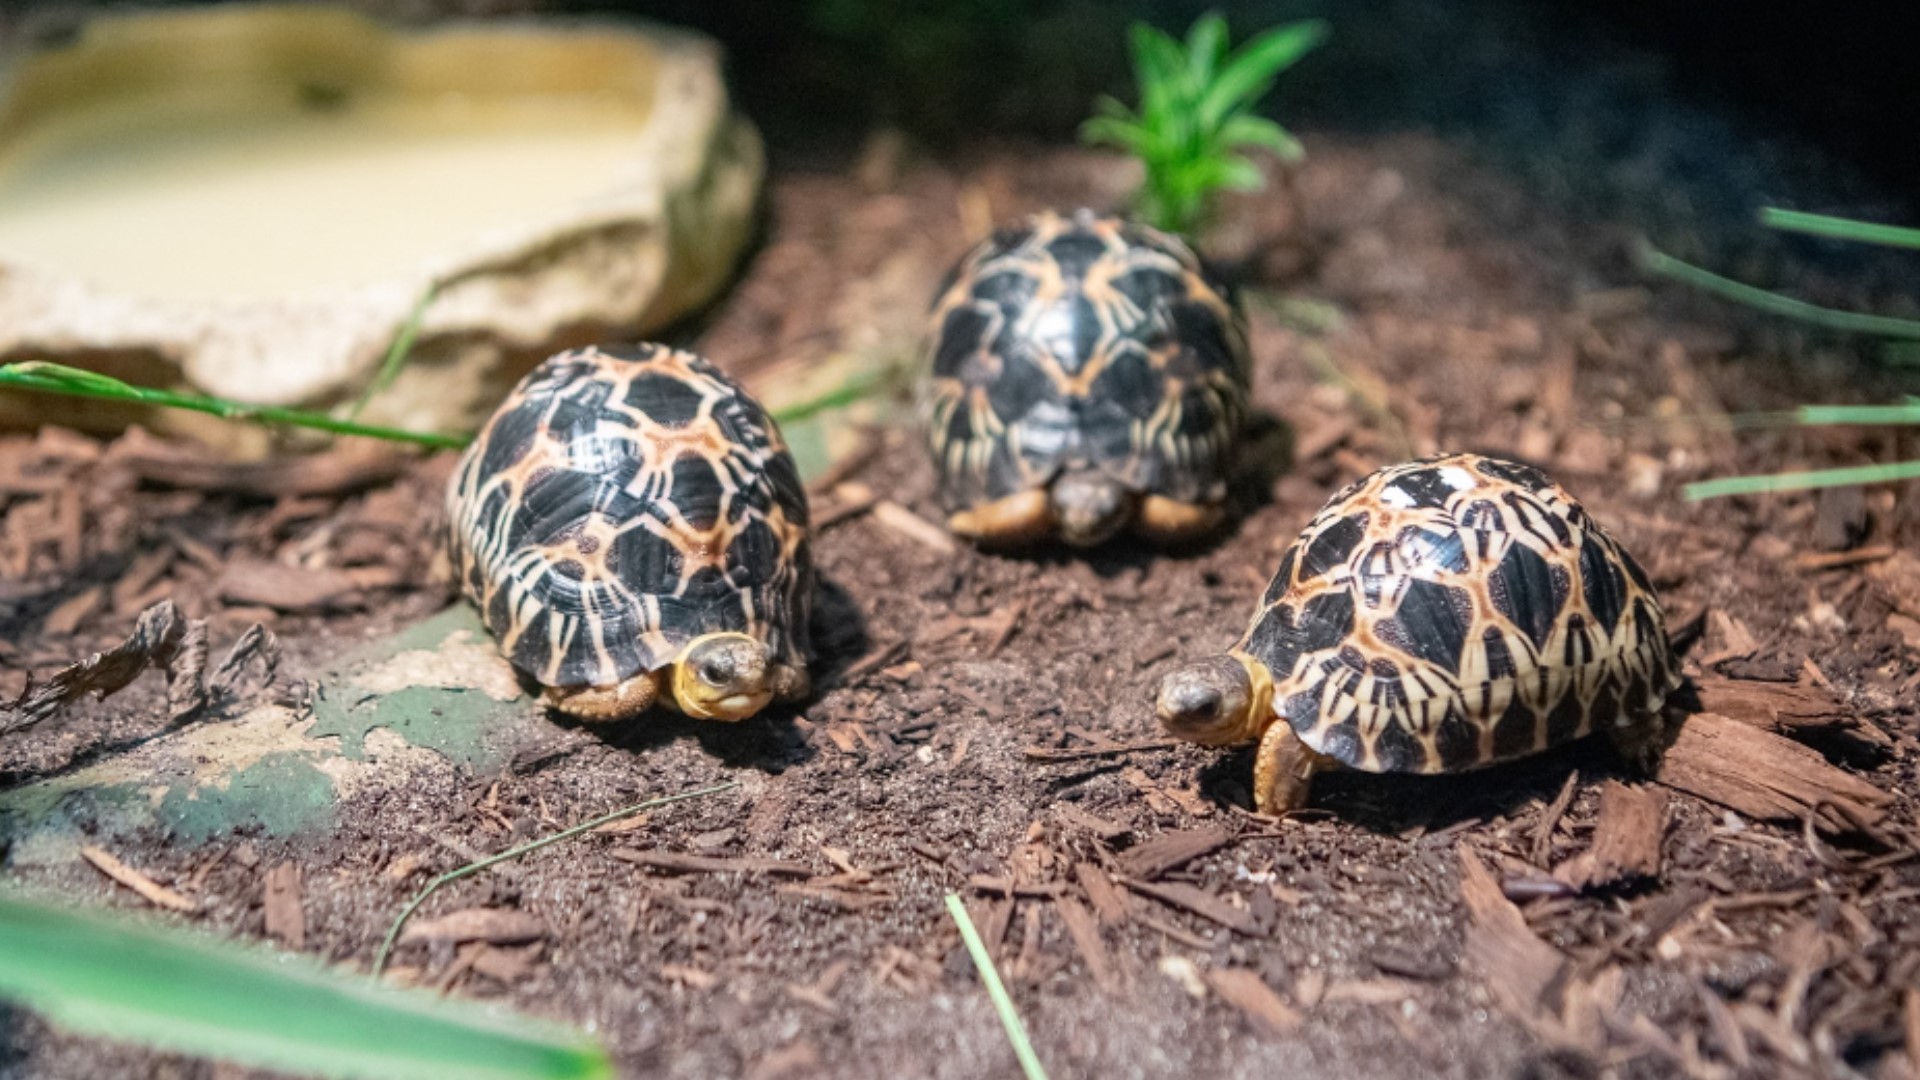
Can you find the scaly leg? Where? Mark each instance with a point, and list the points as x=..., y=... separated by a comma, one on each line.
x=1283, y=769
x=600, y=703
x=1016, y=519
x=1166, y=521
x=790, y=682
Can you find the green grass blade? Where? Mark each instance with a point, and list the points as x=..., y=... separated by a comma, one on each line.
x=1828, y=415
x=181, y=992
x=1839, y=228
x=73, y=382
x=1802, y=481
x=1206, y=47
x=1249, y=72
x=996, y=990
x=398, y=353
x=1664, y=265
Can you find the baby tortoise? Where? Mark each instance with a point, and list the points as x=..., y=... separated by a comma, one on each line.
x=1087, y=375
x=634, y=531
x=1434, y=617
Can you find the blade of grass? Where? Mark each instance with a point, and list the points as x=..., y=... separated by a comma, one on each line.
x=1002, y=1002
x=1839, y=228
x=49, y=378
x=397, y=353
x=393, y=933
x=184, y=992
x=1656, y=262
x=1801, y=481
x=1828, y=415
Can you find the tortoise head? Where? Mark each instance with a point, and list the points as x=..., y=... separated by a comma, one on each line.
x=1217, y=701
x=1089, y=507
x=722, y=677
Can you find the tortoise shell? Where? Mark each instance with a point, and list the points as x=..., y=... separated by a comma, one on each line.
x=1084, y=342
x=1455, y=612
x=622, y=502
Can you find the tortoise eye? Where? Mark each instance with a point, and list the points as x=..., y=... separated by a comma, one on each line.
x=715, y=670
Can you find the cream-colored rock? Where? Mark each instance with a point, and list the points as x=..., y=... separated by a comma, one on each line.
x=249, y=201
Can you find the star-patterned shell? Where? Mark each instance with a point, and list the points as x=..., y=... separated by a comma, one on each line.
x=1084, y=341
x=1454, y=612
x=622, y=502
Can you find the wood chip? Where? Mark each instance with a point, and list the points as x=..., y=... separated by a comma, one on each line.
x=1106, y=898
x=1195, y=901
x=353, y=466
x=689, y=976
x=708, y=864
x=1543, y=833
x=1910, y=1020
x=1370, y=991
x=896, y=518
x=1789, y=709
x=1085, y=933
x=1106, y=831
x=495, y=926
x=282, y=902
x=150, y=890
x=1626, y=840
x=1105, y=749
x=1171, y=851
x=68, y=616
x=1518, y=967
x=508, y=964
x=1243, y=989
x=1834, y=560
x=291, y=589
x=1762, y=775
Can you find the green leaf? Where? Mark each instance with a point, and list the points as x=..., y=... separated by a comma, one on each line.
x=1245, y=130
x=1206, y=47
x=182, y=992
x=1251, y=70
x=1114, y=131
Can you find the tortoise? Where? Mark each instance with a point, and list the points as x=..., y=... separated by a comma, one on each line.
x=1436, y=616
x=1088, y=374
x=634, y=531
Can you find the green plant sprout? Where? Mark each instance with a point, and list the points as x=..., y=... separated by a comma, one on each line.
x=178, y=991
x=43, y=377
x=1030, y=1066
x=1196, y=115
x=1902, y=334
x=60, y=379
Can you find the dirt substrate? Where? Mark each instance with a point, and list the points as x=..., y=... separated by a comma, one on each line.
x=983, y=720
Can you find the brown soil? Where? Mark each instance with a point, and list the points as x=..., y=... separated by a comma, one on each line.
x=979, y=716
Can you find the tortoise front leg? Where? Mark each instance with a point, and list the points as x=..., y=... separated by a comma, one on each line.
x=790, y=682
x=601, y=703
x=1283, y=769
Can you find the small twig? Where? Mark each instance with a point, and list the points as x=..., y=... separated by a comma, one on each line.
x=1002, y=1003
x=393, y=933
x=1048, y=753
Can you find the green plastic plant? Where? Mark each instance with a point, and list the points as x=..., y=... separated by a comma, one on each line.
x=114, y=977
x=1196, y=115
x=1901, y=336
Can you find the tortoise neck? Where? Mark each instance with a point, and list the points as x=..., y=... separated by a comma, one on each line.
x=1259, y=694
